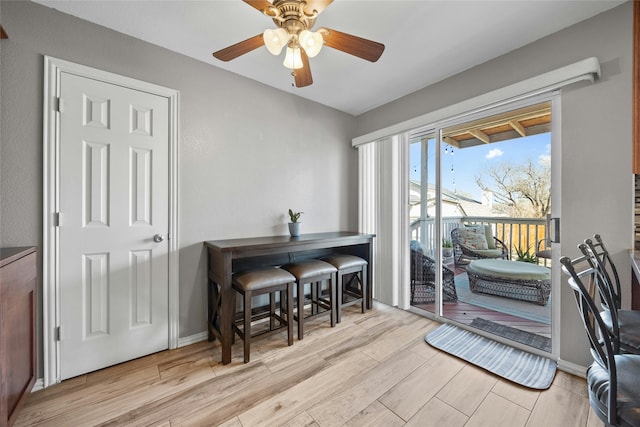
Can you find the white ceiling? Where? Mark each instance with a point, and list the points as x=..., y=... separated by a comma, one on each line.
x=426, y=41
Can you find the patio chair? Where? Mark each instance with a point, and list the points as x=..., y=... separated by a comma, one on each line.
x=543, y=246
x=423, y=278
x=614, y=391
x=476, y=242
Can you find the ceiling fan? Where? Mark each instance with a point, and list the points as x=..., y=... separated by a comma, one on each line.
x=294, y=19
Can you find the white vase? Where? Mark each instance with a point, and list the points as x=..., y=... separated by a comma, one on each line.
x=294, y=229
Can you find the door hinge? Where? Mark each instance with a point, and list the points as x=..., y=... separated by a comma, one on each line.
x=56, y=333
x=58, y=104
x=57, y=219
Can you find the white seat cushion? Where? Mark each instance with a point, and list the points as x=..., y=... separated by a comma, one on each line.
x=509, y=269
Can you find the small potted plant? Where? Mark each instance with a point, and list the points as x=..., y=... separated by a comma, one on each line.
x=526, y=256
x=294, y=225
x=447, y=248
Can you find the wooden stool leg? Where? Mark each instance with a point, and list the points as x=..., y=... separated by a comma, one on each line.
x=339, y=285
x=300, y=310
x=289, y=313
x=363, y=286
x=233, y=330
x=332, y=299
x=272, y=310
x=283, y=304
x=247, y=326
x=314, y=298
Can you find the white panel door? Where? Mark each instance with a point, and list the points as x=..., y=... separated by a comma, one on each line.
x=113, y=200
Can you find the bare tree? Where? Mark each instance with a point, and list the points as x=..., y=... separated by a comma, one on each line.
x=521, y=190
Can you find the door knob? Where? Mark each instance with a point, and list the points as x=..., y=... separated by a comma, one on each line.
x=158, y=238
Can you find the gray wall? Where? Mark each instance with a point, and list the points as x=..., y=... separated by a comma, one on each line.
x=597, y=182
x=240, y=168
x=239, y=171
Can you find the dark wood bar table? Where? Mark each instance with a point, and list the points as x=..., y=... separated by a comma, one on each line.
x=227, y=256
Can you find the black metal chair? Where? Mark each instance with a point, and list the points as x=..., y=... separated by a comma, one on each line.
x=628, y=320
x=423, y=279
x=612, y=379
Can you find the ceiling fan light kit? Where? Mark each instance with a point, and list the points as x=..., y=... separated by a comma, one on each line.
x=293, y=58
x=294, y=19
x=275, y=40
x=310, y=42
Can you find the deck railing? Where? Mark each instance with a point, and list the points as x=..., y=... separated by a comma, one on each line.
x=515, y=233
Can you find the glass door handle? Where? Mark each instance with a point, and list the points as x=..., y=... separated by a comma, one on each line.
x=555, y=237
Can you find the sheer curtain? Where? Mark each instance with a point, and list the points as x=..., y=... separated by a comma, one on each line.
x=383, y=210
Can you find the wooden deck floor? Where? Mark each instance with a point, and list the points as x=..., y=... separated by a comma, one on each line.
x=465, y=313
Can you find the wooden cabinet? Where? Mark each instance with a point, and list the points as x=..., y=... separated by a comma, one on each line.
x=636, y=87
x=18, y=281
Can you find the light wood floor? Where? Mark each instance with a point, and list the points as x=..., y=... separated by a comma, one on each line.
x=370, y=370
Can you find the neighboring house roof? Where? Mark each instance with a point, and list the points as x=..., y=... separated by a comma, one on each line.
x=455, y=204
x=475, y=208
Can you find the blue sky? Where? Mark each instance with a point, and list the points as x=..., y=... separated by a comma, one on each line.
x=470, y=162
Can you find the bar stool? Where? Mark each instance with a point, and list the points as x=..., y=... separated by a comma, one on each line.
x=313, y=271
x=356, y=267
x=258, y=282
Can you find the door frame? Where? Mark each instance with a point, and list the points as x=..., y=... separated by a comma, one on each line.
x=434, y=128
x=53, y=67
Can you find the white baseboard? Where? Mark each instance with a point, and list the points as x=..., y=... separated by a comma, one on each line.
x=572, y=368
x=38, y=385
x=200, y=336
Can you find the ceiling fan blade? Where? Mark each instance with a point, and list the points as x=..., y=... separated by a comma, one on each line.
x=357, y=46
x=261, y=5
x=303, y=75
x=317, y=5
x=232, y=52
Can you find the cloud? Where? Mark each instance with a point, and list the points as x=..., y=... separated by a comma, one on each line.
x=496, y=152
x=544, y=159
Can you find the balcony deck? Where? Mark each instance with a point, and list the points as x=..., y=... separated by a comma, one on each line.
x=465, y=313
x=523, y=233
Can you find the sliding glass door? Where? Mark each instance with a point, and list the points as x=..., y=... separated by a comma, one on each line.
x=422, y=221
x=480, y=199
